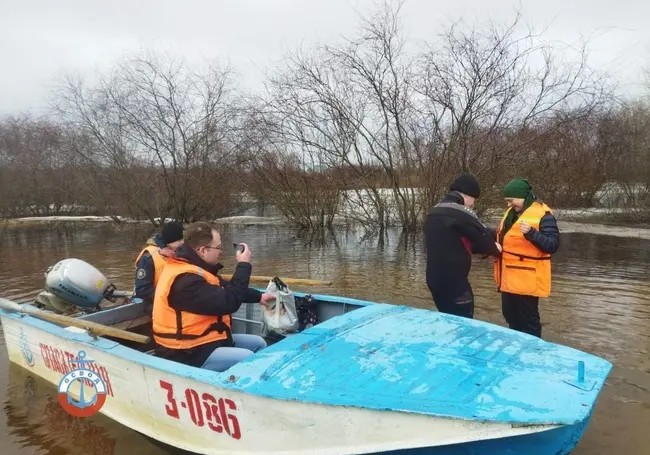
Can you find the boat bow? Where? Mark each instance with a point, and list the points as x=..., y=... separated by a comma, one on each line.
x=397, y=358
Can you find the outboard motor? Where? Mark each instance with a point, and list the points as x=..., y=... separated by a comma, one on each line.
x=73, y=284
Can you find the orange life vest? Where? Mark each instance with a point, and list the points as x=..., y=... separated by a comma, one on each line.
x=159, y=260
x=184, y=330
x=522, y=268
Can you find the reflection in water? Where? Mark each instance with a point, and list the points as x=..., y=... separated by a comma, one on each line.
x=599, y=304
x=38, y=420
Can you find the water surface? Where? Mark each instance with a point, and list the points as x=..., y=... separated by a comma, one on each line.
x=600, y=303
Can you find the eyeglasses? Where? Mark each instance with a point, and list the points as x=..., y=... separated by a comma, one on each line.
x=220, y=247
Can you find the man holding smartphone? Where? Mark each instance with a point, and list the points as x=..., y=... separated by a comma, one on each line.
x=193, y=304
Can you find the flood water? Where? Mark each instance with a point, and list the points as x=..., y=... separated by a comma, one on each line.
x=600, y=304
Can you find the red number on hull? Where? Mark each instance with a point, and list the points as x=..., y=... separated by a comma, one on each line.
x=171, y=408
x=218, y=414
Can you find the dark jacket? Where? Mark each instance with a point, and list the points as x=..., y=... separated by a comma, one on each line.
x=546, y=239
x=144, y=275
x=452, y=234
x=191, y=293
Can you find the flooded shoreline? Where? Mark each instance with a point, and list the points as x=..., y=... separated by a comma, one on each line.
x=587, y=223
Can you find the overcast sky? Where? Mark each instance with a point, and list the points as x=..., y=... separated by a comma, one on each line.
x=42, y=39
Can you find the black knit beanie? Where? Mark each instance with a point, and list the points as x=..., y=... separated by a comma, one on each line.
x=171, y=232
x=467, y=184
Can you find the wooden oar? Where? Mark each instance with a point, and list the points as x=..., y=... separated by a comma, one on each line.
x=99, y=329
x=299, y=281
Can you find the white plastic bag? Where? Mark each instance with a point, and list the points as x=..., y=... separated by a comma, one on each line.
x=281, y=318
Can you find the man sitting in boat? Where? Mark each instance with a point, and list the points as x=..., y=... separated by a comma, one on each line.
x=152, y=258
x=193, y=304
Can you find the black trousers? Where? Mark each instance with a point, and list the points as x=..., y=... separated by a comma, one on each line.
x=522, y=313
x=462, y=305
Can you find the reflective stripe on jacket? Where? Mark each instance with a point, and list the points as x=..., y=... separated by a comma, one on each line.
x=159, y=260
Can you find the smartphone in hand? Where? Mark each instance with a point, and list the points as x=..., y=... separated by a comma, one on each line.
x=239, y=247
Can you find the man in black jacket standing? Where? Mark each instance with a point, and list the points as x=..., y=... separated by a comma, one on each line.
x=453, y=233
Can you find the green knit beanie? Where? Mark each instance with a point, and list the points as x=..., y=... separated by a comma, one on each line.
x=517, y=188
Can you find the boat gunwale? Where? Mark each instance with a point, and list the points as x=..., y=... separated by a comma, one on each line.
x=130, y=354
x=220, y=379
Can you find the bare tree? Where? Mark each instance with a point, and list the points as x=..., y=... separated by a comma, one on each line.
x=460, y=105
x=349, y=107
x=162, y=135
x=291, y=182
x=565, y=158
x=37, y=172
x=626, y=135
x=368, y=129
x=482, y=87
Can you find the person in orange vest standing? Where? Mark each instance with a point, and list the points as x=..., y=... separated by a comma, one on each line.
x=528, y=235
x=151, y=260
x=192, y=307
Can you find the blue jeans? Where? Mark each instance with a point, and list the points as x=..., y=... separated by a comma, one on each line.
x=223, y=358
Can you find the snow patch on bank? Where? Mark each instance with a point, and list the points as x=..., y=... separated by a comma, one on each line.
x=568, y=227
x=98, y=219
x=248, y=220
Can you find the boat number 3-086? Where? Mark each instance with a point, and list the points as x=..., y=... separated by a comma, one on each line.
x=204, y=410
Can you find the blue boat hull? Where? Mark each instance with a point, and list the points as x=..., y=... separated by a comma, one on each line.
x=559, y=441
